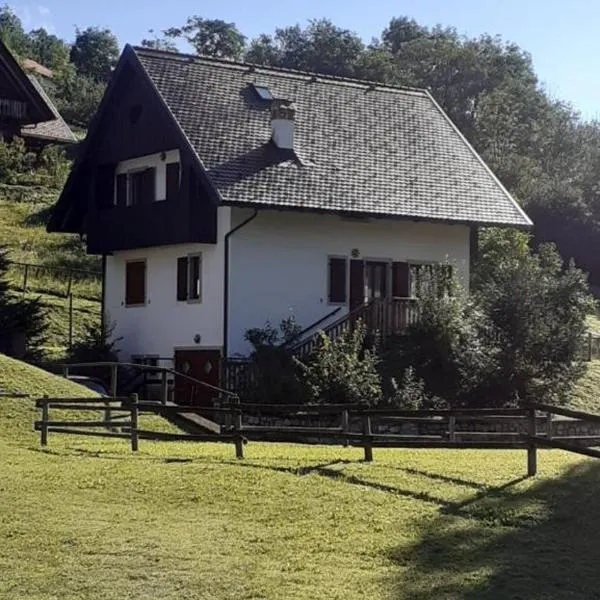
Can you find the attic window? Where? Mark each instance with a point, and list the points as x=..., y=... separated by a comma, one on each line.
x=263, y=92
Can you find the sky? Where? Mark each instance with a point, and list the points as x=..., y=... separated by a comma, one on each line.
x=561, y=36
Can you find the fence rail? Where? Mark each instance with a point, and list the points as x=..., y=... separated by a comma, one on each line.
x=354, y=425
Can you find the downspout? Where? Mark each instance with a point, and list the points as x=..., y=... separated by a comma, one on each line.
x=103, y=299
x=226, y=283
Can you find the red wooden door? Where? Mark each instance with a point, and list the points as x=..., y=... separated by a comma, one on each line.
x=203, y=365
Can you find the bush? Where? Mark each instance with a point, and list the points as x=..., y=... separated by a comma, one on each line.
x=343, y=371
x=14, y=161
x=409, y=393
x=275, y=374
x=444, y=349
x=516, y=339
x=54, y=166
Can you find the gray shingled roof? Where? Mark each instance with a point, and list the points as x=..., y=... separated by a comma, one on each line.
x=56, y=130
x=359, y=149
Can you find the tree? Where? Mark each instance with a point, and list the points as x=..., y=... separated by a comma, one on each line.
x=536, y=309
x=95, y=53
x=77, y=96
x=159, y=43
x=12, y=32
x=210, y=37
x=47, y=49
x=321, y=47
x=20, y=315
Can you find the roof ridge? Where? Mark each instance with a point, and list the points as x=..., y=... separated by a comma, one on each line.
x=226, y=62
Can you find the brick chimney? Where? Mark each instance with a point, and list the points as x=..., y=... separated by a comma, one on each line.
x=283, y=113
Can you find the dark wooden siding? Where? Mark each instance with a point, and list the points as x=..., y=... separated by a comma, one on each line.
x=134, y=124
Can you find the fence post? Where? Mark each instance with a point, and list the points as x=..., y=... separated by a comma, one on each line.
x=70, y=321
x=368, y=442
x=66, y=372
x=70, y=282
x=134, y=422
x=164, y=388
x=345, y=425
x=531, y=447
x=25, y=274
x=237, y=426
x=452, y=428
x=549, y=427
x=45, y=419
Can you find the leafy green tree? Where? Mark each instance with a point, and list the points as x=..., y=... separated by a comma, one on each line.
x=20, y=316
x=159, y=43
x=210, y=37
x=94, y=53
x=76, y=96
x=47, y=49
x=536, y=309
x=321, y=47
x=12, y=32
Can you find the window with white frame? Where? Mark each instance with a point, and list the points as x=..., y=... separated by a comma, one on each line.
x=189, y=278
x=146, y=179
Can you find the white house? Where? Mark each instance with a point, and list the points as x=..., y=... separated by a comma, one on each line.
x=224, y=195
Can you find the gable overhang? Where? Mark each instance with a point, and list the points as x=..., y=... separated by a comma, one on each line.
x=263, y=206
x=41, y=111
x=64, y=218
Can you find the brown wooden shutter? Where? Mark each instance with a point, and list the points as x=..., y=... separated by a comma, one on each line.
x=122, y=189
x=135, y=282
x=149, y=185
x=105, y=186
x=172, y=181
x=400, y=280
x=182, y=278
x=337, y=280
x=357, y=283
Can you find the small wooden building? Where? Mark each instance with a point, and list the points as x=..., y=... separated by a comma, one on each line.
x=25, y=109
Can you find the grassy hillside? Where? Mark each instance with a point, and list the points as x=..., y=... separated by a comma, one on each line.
x=24, y=211
x=87, y=519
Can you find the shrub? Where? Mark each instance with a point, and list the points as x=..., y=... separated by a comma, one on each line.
x=14, y=161
x=275, y=374
x=54, y=166
x=409, y=393
x=444, y=349
x=343, y=371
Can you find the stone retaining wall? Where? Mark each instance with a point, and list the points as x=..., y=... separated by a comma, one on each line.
x=561, y=426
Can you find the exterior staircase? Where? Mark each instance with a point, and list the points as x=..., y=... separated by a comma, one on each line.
x=383, y=317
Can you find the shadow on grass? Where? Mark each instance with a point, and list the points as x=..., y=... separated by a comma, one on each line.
x=542, y=542
x=327, y=470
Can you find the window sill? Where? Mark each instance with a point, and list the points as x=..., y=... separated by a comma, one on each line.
x=137, y=305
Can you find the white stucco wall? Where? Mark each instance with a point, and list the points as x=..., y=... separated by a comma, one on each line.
x=165, y=323
x=279, y=262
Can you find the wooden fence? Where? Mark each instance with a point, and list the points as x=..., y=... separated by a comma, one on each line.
x=355, y=426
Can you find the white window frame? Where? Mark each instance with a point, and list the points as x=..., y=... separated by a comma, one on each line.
x=158, y=161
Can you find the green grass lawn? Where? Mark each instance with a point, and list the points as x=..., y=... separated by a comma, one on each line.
x=87, y=519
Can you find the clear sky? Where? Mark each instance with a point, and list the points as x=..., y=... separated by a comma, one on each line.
x=563, y=37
